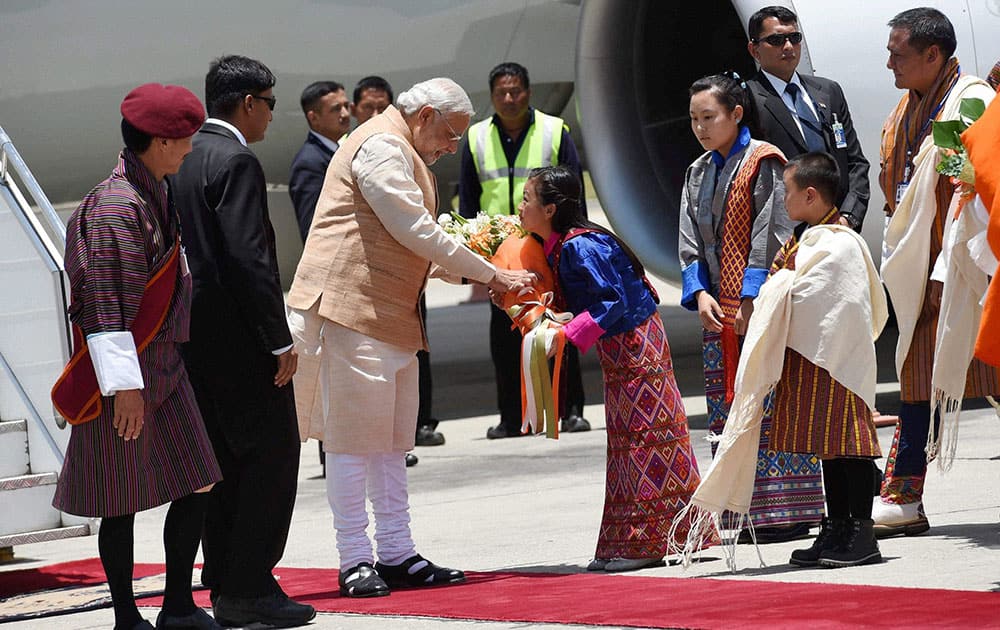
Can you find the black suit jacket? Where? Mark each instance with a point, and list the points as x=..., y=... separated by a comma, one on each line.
x=778, y=128
x=237, y=309
x=306, y=180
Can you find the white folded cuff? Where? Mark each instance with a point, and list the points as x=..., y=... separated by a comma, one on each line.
x=306, y=328
x=116, y=361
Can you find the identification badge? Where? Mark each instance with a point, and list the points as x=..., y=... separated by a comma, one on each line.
x=900, y=191
x=839, y=137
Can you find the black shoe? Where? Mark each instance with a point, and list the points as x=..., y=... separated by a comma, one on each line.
x=429, y=574
x=827, y=540
x=501, y=431
x=275, y=610
x=427, y=436
x=143, y=625
x=573, y=424
x=775, y=533
x=199, y=620
x=362, y=581
x=411, y=460
x=857, y=546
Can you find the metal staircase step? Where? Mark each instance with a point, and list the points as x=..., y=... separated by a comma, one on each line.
x=12, y=540
x=27, y=501
x=13, y=448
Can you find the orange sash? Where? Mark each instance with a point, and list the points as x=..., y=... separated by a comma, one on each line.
x=980, y=141
x=76, y=395
x=736, y=230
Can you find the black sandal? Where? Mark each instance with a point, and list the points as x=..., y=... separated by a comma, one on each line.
x=362, y=581
x=430, y=574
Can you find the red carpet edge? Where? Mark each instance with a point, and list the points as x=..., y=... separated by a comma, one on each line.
x=604, y=600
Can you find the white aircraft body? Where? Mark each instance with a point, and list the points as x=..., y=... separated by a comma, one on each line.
x=629, y=62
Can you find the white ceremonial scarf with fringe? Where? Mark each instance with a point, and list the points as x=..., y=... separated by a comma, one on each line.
x=907, y=245
x=830, y=309
x=908, y=235
x=968, y=261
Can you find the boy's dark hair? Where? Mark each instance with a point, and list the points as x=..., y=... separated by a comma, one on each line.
x=230, y=78
x=818, y=170
x=135, y=140
x=372, y=83
x=315, y=91
x=927, y=27
x=784, y=15
x=510, y=69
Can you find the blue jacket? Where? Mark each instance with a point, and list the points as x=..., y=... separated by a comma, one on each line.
x=601, y=289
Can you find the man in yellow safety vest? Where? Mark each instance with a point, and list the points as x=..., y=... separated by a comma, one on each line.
x=495, y=163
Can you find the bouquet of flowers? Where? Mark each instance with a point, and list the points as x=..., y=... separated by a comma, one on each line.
x=948, y=138
x=484, y=233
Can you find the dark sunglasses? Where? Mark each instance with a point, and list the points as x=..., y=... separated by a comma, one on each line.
x=270, y=100
x=778, y=39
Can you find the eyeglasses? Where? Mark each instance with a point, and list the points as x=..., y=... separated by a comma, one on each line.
x=778, y=39
x=270, y=100
x=455, y=136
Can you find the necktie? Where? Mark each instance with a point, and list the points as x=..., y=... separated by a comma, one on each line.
x=811, y=130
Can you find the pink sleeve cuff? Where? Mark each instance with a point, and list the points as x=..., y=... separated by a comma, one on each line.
x=583, y=331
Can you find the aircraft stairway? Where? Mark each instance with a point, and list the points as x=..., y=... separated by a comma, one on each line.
x=34, y=347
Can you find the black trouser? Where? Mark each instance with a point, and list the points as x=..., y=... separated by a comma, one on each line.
x=505, y=350
x=848, y=483
x=250, y=510
x=425, y=383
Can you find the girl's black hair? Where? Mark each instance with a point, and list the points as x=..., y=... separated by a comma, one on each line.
x=561, y=187
x=731, y=91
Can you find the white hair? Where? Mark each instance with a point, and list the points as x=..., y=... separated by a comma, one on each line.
x=441, y=93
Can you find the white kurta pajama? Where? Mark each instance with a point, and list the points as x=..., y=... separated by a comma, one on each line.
x=359, y=391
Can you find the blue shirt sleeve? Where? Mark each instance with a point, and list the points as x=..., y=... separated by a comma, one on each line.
x=753, y=279
x=694, y=278
x=590, y=281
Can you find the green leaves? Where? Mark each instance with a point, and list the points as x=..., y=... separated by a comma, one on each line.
x=971, y=109
x=951, y=165
x=948, y=137
x=947, y=134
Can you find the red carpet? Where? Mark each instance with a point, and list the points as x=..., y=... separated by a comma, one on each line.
x=612, y=600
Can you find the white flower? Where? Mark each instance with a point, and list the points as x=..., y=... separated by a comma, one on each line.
x=445, y=219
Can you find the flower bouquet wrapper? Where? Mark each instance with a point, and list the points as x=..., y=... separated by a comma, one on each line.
x=531, y=311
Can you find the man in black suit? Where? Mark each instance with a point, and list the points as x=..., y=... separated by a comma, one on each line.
x=804, y=113
x=328, y=112
x=240, y=357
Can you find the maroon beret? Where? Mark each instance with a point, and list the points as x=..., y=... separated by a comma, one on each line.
x=163, y=111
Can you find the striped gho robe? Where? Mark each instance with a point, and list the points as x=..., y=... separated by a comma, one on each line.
x=813, y=413
x=117, y=238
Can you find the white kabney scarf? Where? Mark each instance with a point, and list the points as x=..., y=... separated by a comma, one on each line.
x=968, y=263
x=907, y=250
x=830, y=309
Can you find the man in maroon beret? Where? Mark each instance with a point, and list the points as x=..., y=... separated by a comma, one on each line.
x=143, y=442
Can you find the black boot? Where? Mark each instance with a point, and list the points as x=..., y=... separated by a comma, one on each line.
x=857, y=546
x=827, y=540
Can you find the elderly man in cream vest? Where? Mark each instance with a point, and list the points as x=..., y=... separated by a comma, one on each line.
x=373, y=243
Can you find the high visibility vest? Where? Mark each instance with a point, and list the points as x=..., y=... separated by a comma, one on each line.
x=503, y=183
